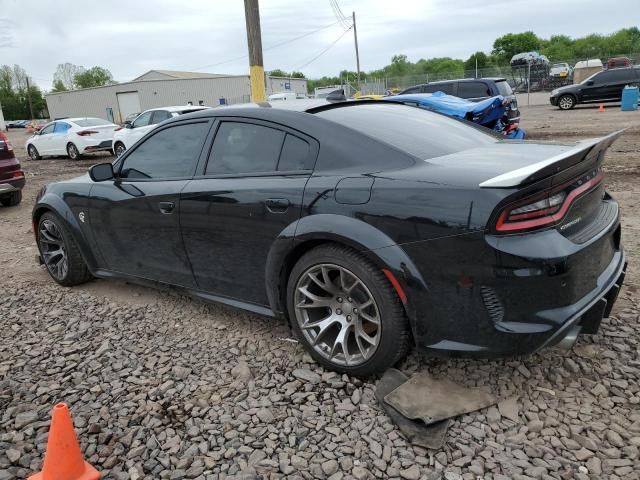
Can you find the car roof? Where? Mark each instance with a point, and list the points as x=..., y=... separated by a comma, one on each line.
x=177, y=108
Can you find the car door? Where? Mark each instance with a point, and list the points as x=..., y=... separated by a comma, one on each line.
x=617, y=79
x=249, y=191
x=139, y=128
x=596, y=87
x=58, y=140
x=42, y=140
x=135, y=218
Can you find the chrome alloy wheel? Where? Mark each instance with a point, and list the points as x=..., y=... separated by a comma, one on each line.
x=566, y=102
x=53, y=250
x=337, y=314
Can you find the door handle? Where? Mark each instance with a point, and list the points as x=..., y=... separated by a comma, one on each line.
x=166, y=208
x=277, y=205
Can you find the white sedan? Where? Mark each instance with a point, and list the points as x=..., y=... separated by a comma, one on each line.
x=126, y=136
x=72, y=137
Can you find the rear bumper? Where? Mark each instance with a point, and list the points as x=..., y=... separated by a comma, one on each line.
x=491, y=296
x=102, y=146
x=9, y=186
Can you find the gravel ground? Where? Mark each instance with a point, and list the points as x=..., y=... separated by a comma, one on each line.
x=163, y=386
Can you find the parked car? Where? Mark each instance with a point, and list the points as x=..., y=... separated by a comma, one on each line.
x=17, y=123
x=367, y=234
x=561, y=70
x=474, y=89
x=126, y=136
x=72, y=137
x=603, y=86
x=11, y=175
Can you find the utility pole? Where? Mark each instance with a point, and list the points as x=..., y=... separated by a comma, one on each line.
x=29, y=98
x=254, y=39
x=355, y=37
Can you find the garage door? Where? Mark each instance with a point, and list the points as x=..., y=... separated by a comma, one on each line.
x=128, y=103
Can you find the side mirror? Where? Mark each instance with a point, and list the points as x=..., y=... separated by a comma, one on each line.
x=101, y=172
x=128, y=124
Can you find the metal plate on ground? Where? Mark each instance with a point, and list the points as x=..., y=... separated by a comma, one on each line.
x=430, y=400
x=416, y=431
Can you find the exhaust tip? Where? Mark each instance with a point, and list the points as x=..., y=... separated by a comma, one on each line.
x=569, y=340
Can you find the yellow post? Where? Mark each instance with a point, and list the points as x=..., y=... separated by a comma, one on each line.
x=254, y=40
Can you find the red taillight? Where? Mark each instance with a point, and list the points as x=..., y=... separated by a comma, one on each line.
x=542, y=211
x=84, y=133
x=5, y=144
x=18, y=174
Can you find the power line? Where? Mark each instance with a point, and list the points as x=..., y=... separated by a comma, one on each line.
x=338, y=13
x=325, y=50
x=276, y=45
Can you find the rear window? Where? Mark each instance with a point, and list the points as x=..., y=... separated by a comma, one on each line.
x=91, y=122
x=504, y=88
x=416, y=131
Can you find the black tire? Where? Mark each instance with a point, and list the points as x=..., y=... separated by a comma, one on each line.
x=72, y=152
x=33, y=153
x=566, y=102
x=394, y=336
x=119, y=149
x=76, y=271
x=12, y=199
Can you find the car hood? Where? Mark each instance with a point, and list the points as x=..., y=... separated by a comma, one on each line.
x=566, y=88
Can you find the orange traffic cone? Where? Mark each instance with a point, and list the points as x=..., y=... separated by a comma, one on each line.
x=63, y=459
x=601, y=108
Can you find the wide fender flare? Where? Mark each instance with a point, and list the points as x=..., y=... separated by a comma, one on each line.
x=53, y=203
x=348, y=231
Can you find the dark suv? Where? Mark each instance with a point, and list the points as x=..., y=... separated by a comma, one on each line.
x=474, y=89
x=604, y=86
x=11, y=176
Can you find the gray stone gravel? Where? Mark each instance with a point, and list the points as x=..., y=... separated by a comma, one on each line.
x=180, y=389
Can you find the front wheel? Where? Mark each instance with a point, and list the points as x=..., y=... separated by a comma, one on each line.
x=345, y=312
x=73, y=152
x=33, y=153
x=60, y=253
x=566, y=102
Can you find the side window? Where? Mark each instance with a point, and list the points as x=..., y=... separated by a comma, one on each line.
x=439, y=87
x=61, y=128
x=160, y=116
x=48, y=129
x=170, y=153
x=622, y=75
x=143, y=120
x=412, y=90
x=295, y=154
x=473, y=90
x=244, y=148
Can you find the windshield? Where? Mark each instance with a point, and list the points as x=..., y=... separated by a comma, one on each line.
x=504, y=88
x=591, y=77
x=91, y=122
x=416, y=131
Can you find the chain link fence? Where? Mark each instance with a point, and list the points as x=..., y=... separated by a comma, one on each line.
x=522, y=78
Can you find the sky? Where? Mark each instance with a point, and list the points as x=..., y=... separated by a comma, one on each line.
x=133, y=36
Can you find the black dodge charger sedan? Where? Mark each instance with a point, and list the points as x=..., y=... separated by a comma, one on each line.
x=370, y=226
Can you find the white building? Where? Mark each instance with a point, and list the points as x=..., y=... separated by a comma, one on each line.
x=159, y=88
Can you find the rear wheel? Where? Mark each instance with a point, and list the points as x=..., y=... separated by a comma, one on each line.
x=33, y=153
x=12, y=199
x=566, y=102
x=345, y=312
x=60, y=253
x=73, y=152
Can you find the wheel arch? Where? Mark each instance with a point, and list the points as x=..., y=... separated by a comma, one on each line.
x=312, y=231
x=52, y=203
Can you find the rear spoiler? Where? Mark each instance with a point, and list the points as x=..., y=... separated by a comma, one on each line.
x=584, y=150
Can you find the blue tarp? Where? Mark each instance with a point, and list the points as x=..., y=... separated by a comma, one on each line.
x=484, y=112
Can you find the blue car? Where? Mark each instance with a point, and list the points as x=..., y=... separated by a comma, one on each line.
x=490, y=113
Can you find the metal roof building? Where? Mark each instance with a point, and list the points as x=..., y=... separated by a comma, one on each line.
x=159, y=88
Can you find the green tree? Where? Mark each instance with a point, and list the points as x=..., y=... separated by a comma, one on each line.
x=58, y=86
x=13, y=94
x=93, y=77
x=65, y=73
x=482, y=61
x=297, y=75
x=510, y=44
